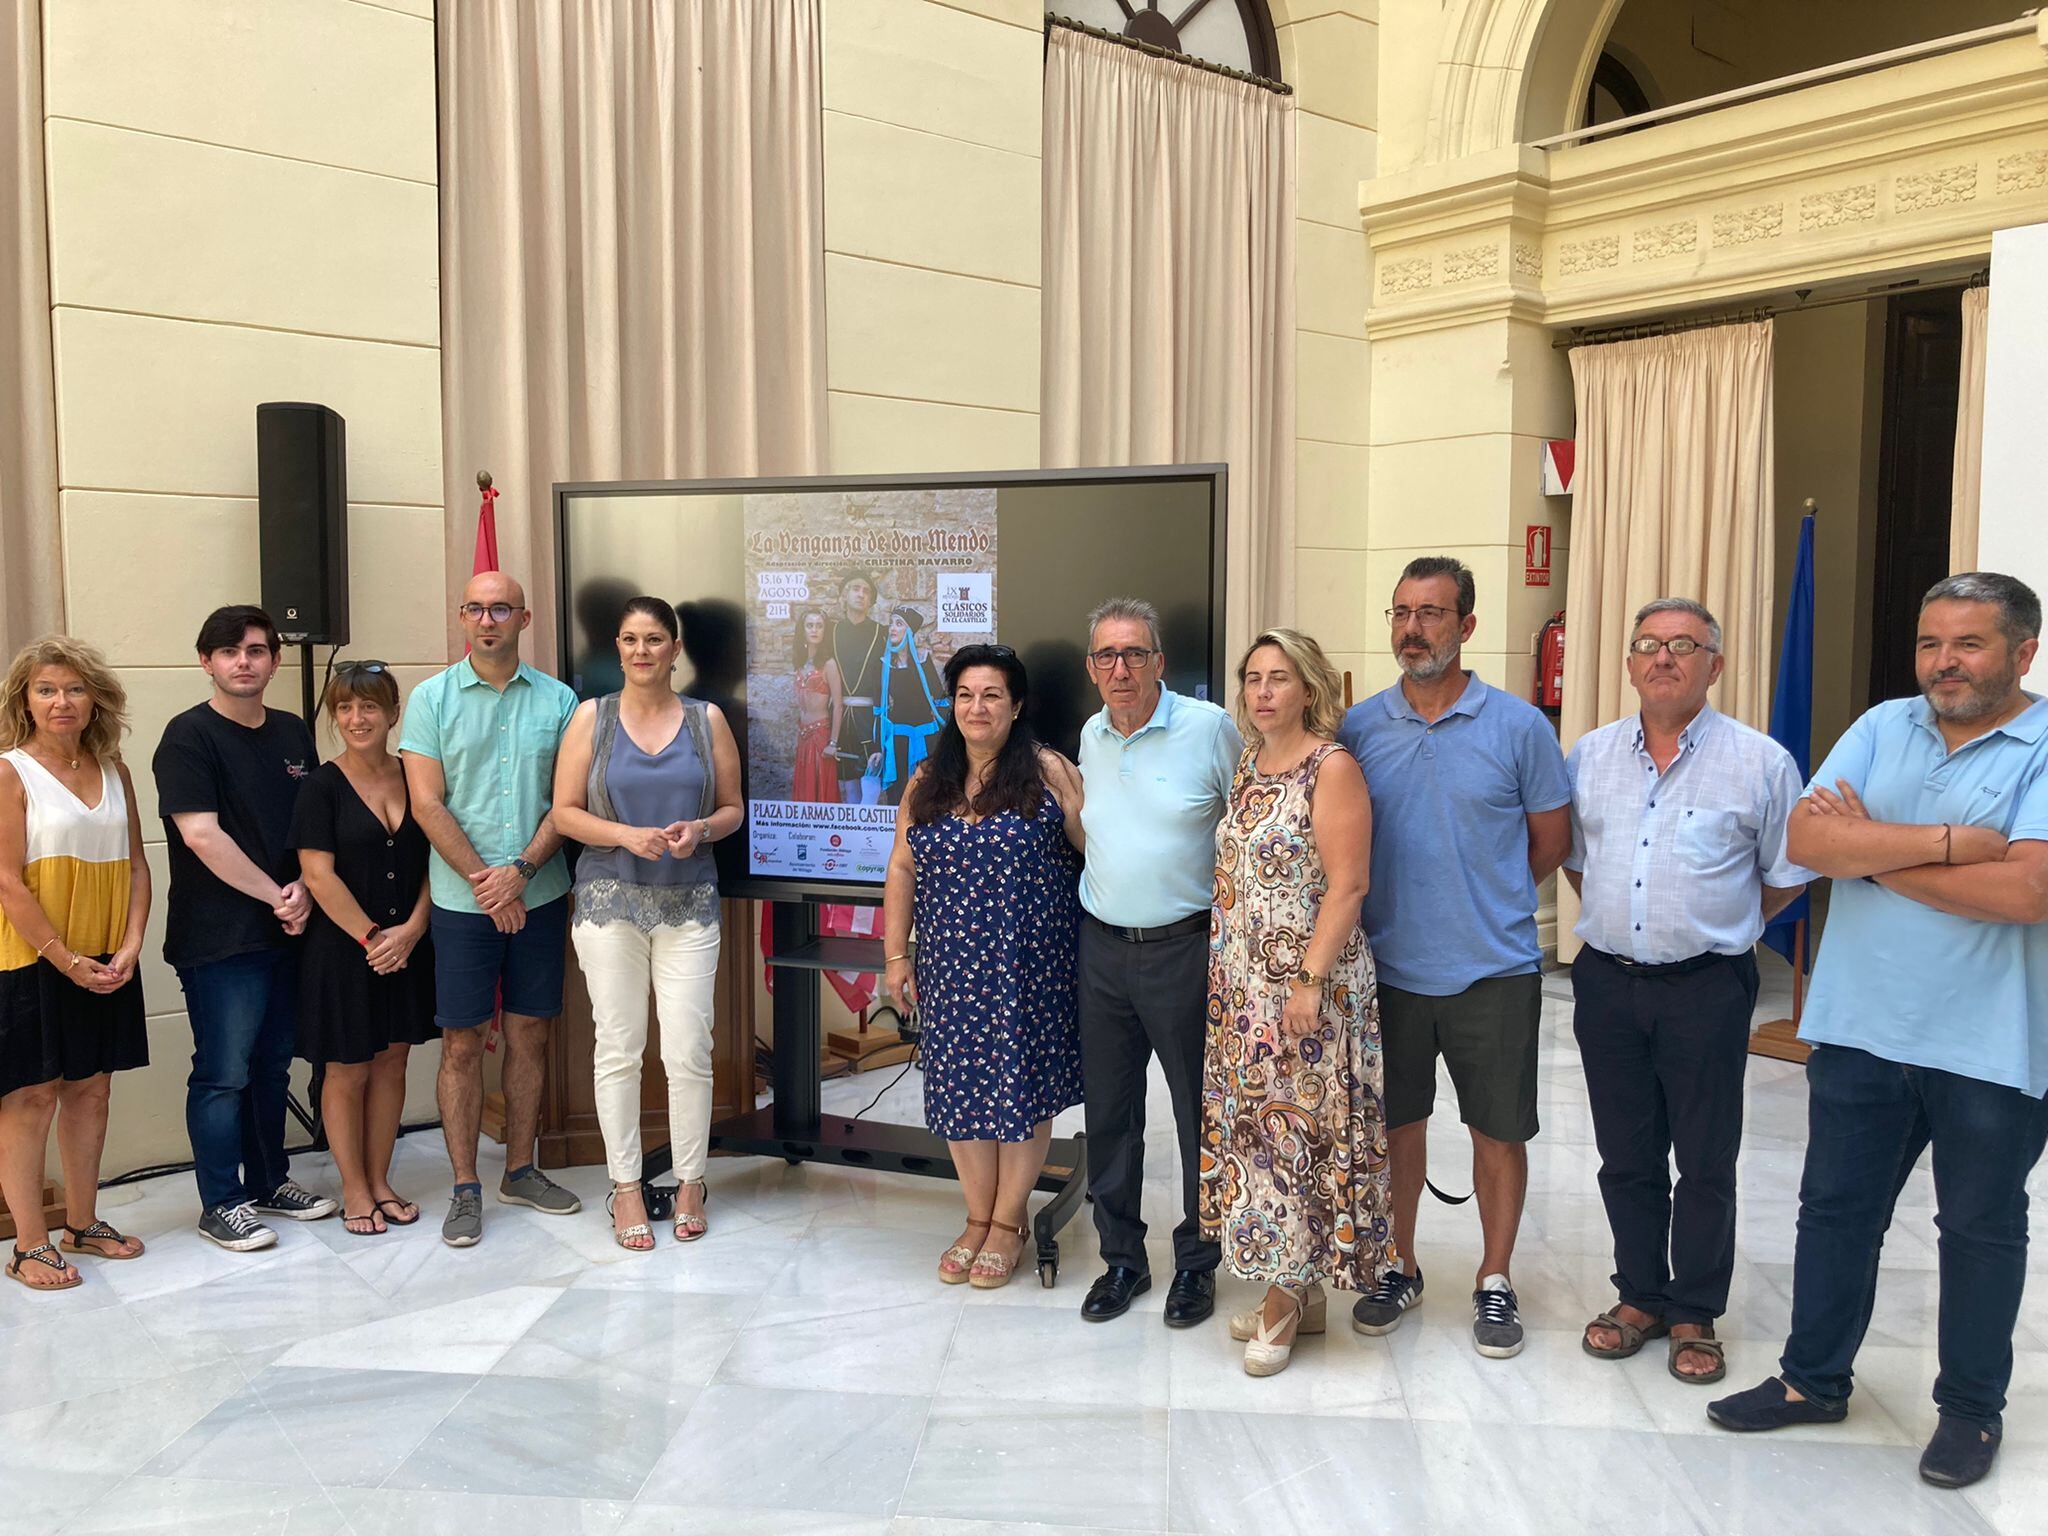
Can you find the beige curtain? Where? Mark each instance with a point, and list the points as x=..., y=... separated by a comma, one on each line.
x=31, y=562
x=1673, y=499
x=1969, y=470
x=632, y=255
x=1168, y=322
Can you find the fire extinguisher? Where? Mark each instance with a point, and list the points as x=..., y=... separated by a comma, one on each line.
x=1550, y=663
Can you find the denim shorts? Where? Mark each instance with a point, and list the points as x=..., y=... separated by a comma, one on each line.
x=477, y=969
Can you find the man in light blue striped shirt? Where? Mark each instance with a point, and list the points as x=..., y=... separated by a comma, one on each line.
x=1678, y=856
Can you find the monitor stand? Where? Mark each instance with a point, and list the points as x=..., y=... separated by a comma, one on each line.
x=795, y=1127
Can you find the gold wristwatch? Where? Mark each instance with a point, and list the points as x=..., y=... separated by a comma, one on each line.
x=1308, y=978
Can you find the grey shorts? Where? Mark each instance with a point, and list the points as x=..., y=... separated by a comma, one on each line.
x=1486, y=1035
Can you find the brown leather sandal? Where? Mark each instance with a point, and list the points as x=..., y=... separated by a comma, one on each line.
x=79, y=1239
x=1633, y=1336
x=992, y=1271
x=45, y=1254
x=1706, y=1344
x=960, y=1257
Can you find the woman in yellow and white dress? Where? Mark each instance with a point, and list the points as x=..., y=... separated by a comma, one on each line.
x=74, y=896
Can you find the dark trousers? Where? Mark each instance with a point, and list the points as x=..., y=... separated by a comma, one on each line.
x=1867, y=1121
x=1665, y=1055
x=244, y=1013
x=1138, y=1000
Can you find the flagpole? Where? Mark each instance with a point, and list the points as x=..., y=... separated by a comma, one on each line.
x=1779, y=1038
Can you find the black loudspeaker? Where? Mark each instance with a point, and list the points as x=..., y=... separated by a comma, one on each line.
x=302, y=507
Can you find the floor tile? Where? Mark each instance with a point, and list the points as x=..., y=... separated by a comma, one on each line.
x=647, y=1336
x=181, y=1507
x=1748, y=1483
x=1052, y=1464
x=775, y=1449
x=1235, y=1472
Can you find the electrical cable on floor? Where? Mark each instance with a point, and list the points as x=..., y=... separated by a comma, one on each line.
x=161, y=1170
x=871, y=1103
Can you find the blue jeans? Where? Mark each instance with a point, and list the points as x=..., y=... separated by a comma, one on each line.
x=244, y=1013
x=1868, y=1120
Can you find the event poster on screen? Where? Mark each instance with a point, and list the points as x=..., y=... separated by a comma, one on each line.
x=857, y=600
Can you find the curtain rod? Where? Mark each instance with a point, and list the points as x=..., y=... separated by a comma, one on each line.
x=1278, y=87
x=1756, y=313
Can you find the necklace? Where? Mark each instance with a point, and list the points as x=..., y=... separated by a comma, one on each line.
x=70, y=762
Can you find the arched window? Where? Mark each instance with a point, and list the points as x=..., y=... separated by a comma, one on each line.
x=1235, y=33
x=1614, y=94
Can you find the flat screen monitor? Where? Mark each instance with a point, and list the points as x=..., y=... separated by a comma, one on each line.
x=806, y=601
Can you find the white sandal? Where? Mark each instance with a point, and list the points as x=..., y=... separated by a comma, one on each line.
x=1265, y=1355
x=627, y=1238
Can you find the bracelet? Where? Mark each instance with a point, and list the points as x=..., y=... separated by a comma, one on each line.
x=71, y=964
x=892, y=959
x=52, y=939
x=367, y=939
x=1948, y=843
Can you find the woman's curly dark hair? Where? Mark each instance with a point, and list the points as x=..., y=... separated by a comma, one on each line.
x=1014, y=784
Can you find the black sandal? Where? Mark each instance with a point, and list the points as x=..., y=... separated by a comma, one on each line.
x=45, y=1254
x=371, y=1215
x=99, y=1232
x=398, y=1221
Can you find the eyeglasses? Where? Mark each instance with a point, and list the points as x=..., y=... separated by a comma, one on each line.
x=1429, y=614
x=1677, y=645
x=1132, y=656
x=359, y=668
x=500, y=613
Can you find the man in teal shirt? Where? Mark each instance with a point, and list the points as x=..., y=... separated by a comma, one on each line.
x=1928, y=1018
x=479, y=745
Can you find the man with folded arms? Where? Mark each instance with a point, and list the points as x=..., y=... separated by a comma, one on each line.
x=1928, y=1018
x=1678, y=856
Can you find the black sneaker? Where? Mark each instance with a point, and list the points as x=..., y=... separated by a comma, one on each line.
x=295, y=1204
x=1379, y=1310
x=1496, y=1320
x=234, y=1227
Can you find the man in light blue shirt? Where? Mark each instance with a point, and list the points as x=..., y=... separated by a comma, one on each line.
x=1470, y=812
x=479, y=745
x=1155, y=771
x=1678, y=856
x=1928, y=1018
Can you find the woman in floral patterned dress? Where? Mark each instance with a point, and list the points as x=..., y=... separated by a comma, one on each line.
x=1294, y=1145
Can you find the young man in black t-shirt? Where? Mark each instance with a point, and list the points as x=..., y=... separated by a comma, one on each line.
x=227, y=775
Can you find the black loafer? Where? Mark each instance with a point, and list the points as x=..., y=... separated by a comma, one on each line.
x=1110, y=1296
x=1960, y=1453
x=1191, y=1298
x=1765, y=1406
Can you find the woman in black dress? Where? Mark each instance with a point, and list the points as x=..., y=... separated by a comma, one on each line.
x=366, y=977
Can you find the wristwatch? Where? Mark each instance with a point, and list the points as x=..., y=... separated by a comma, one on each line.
x=1308, y=978
x=526, y=870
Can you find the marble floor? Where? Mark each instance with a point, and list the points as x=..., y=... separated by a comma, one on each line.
x=801, y=1371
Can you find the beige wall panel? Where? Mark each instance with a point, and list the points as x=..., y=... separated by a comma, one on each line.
x=405, y=7
x=1333, y=388
x=1485, y=377
x=1330, y=495
x=396, y=590
x=928, y=66
x=146, y=1117
x=1330, y=159
x=160, y=990
x=188, y=554
x=1285, y=14
x=1497, y=605
x=898, y=194
x=1332, y=274
x=151, y=404
x=324, y=80
x=1331, y=600
x=1449, y=491
x=1018, y=13
x=872, y=435
x=934, y=336
x=170, y=227
x=1336, y=67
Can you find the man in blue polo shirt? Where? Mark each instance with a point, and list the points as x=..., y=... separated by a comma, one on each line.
x=1928, y=1018
x=1471, y=810
x=1155, y=772
x=479, y=745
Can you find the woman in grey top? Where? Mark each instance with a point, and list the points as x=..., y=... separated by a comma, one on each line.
x=645, y=780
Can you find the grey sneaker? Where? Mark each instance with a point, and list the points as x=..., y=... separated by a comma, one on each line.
x=1496, y=1319
x=464, y=1226
x=235, y=1228
x=534, y=1188
x=1379, y=1310
x=295, y=1204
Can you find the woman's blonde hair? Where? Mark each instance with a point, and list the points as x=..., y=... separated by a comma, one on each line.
x=109, y=722
x=1324, y=711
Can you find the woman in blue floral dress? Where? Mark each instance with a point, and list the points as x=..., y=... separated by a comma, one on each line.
x=1294, y=1179
x=987, y=865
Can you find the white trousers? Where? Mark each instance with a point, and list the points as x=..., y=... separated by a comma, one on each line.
x=679, y=963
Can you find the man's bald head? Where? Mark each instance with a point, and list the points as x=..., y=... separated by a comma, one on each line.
x=493, y=614
x=494, y=587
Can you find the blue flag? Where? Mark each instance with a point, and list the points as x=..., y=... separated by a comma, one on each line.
x=1792, y=708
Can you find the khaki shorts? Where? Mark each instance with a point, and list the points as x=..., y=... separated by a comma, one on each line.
x=1486, y=1035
